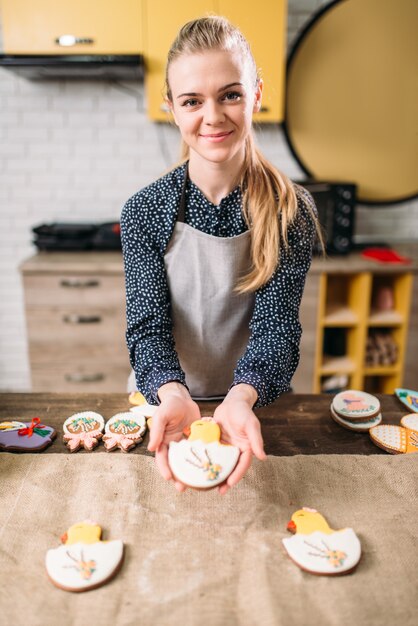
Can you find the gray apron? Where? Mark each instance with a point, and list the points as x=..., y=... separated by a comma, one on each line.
x=210, y=320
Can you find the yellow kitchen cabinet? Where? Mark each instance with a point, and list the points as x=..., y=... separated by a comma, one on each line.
x=162, y=21
x=264, y=26
x=98, y=27
x=265, y=29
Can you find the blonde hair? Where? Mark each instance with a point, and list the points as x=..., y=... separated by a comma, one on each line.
x=269, y=198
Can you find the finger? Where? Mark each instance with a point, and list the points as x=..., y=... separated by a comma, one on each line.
x=180, y=486
x=161, y=459
x=241, y=468
x=253, y=432
x=156, y=432
x=223, y=489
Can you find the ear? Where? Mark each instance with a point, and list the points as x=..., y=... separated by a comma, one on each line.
x=169, y=108
x=257, y=96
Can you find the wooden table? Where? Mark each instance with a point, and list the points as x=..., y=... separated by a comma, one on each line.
x=294, y=424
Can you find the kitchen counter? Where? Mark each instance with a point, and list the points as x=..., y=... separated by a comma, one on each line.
x=78, y=299
x=112, y=263
x=294, y=424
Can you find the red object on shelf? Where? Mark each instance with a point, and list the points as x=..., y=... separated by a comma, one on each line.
x=385, y=255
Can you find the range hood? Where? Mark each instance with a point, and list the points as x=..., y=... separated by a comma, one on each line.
x=90, y=66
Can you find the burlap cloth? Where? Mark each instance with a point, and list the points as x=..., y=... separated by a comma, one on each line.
x=200, y=558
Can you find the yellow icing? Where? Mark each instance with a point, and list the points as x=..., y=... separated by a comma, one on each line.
x=9, y=425
x=137, y=398
x=83, y=532
x=309, y=521
x=411, y=444
x=204, y=430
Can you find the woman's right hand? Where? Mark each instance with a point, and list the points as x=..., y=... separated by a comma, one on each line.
x=175, y=413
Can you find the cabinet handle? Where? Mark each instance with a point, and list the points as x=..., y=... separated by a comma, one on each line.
x=71, y=40
x=84, y=378
x=76, y=283
x=82, y=319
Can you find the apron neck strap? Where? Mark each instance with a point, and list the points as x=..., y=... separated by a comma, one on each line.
x=181, y=215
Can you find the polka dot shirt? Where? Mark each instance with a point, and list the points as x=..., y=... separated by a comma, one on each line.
x=147, y=223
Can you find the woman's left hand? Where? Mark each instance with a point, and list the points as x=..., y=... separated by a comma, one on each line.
x=240, y=427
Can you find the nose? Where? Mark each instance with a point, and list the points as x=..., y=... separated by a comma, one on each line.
x=213, y=113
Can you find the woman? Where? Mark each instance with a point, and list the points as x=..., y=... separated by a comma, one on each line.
x=216, y=253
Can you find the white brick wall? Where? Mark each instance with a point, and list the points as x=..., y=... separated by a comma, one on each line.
x=76, y=150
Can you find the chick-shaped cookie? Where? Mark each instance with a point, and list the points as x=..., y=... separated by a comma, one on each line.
x=317, y=548
x=83, y=562
x=201, y=461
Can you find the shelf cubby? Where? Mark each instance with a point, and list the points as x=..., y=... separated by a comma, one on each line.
x=352, y=307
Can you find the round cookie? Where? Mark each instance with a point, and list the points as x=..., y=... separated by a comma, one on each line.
x=83, y=430
x=356, y=426
x=201, y=461
x=356, y=405
x=124, y=431
x=410, y=421
x=26, y=436
x=84, y=562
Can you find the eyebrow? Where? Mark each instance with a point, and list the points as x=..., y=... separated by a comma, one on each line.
x=193, y=93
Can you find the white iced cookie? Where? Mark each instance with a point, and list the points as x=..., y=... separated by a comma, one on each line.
x=317, y=548
x=201, y=461
x=356, y=425
x=84, y=561
x=355, y=405
x=147, y=410
x=410, y=421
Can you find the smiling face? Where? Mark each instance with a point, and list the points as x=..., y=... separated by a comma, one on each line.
x=213, y=97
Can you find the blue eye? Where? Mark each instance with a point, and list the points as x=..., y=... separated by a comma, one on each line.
x=232, y=96
x=191, y=102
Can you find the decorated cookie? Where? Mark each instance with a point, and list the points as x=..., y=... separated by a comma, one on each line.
x=25, y=436
x=356, y=425
x=410, y=421
x=356, y=405
x=124, y=431
x=83, y=562
x=83, y=430
x=201, y=461
x=409, y=398
x=395, y=439
x=317, y=548
x=147, y=410
x=137, y=398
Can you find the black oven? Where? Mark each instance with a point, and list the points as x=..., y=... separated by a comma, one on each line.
x=336, y=203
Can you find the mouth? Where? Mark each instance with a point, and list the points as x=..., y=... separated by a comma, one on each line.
x=216, y=137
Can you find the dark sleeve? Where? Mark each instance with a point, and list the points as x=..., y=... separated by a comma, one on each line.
x=145, y=234
x=272, y=353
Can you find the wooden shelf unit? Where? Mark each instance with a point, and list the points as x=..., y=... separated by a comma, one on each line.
x=348, y=302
